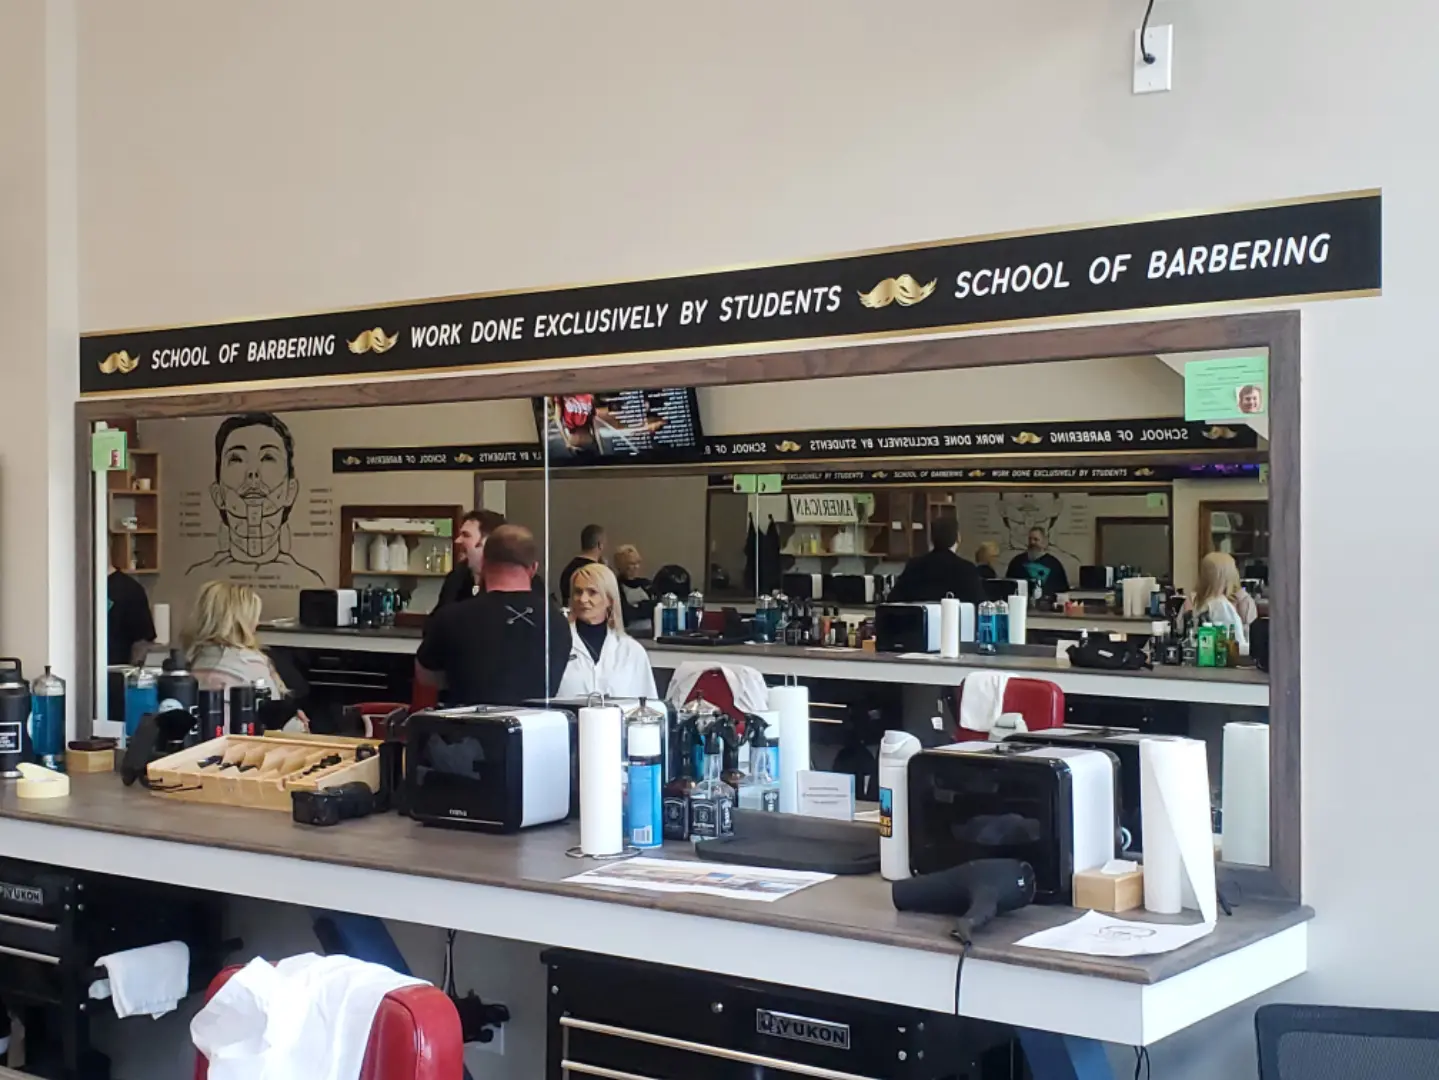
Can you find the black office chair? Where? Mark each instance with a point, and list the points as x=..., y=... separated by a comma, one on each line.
x=1326, y=1042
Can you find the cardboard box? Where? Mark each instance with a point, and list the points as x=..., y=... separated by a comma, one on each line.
x=1111, y=893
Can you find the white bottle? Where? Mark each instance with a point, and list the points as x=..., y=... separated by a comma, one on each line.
x=895, y=750
x=379, y=554
x=399, y=555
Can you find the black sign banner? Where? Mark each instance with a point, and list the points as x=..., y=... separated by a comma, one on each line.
x=1140, y=475
x=1074, y=437
x=1316, y=247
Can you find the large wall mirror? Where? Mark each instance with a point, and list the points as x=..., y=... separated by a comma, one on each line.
x=754, y=485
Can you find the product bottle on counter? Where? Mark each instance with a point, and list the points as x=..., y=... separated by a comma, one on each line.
x=712, y=801
x=895, y=750
x=47, y=719
x=212, y=714
x=760, y=791
x=242, y=710
x=142, y=697
x=1207, y=640
x=988, y=630
x=644, y=795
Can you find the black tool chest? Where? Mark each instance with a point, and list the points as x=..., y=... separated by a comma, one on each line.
x=623, y=1019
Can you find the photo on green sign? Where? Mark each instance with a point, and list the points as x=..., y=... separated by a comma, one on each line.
x=1232, y=388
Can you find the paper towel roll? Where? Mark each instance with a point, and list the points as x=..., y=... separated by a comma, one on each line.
x=1245, y=794
x=601, y=783
x=949, y=622
x=1018, y=614
x=792, y=704
x=1178, y=834
x=162, y=624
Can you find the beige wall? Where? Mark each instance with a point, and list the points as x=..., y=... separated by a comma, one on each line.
x=278, y=156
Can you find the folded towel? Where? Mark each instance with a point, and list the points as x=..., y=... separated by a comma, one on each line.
x=148, y=981
x=982, y=700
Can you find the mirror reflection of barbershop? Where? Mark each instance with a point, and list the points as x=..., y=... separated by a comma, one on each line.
x=1086, y=470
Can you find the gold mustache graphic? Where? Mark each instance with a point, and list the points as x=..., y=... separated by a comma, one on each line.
x=375, y=341
x=1219, y=433
x=1028, y=438
x=1143, y=472
x=350, y=459
x=789, y=446
x=120, y=361
x=464, y=458
x=903, y=290
x=976, y=472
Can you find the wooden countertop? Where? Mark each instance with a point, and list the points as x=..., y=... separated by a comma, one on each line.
x=857, y=908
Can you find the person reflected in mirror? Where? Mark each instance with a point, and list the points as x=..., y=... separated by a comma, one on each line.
x=604, y=659
x=222, y=645
x=1037, y=566
x=985, y=557
x=940, y=573
x=130, y=627
x=1220, y=597
x=592, y=550
x=463, y=581
x=637, y=598
x=507, y=644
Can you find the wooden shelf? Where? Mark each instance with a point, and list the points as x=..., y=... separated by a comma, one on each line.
x=401, y=532
x=131, y=493
x=132, y=570
x=134, y=532
x=399, y=573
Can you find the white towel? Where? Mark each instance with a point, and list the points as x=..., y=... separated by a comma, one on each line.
x=751, y=695
x=147, y=981
x=982, y=700
x=306, y=1018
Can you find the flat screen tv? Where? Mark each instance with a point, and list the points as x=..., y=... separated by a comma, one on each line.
x=627, y=426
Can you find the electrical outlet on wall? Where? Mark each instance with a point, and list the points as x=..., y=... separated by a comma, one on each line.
x=496, y=1045
x=1158, y=76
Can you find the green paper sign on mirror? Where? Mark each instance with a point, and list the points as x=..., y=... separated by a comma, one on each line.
x=108, y=450
x=746, y=484
x=771, y=483
x=1234, y=388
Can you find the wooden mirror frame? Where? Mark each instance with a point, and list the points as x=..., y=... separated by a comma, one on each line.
x=1278, y=332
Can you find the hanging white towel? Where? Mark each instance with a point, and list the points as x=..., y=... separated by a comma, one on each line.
x=751, y=695
x=982, y=700
x=149, y=981
x=306, y=1018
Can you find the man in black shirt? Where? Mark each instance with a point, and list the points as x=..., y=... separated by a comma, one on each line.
x=1036, y=565
x=463, y=581
x=592, y=549
x=495, y=648
x=130, y=628
x=941, y=573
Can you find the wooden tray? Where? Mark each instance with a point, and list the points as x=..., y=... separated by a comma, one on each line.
x=277, y=764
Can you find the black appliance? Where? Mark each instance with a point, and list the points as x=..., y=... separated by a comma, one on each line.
x=610, y=1017
x=1123, y=743
x=1050, y=807
x=1259, y=642
x=849, y=588
x=488, y=768
x=1096, y=577
x=1001, y=589
x=327, y=609
x=906, y=628
x=14, y=718
x=803, y=586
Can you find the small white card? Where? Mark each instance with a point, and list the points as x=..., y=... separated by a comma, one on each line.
x=826, y=794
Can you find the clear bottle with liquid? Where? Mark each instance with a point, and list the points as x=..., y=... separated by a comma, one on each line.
x=47, y=719
x=712, y=800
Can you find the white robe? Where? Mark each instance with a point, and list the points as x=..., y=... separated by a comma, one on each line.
x=623, y=670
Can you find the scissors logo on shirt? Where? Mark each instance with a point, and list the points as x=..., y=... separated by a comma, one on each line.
x=516, y=615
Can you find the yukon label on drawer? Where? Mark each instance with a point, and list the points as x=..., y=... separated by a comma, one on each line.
x=801, y=1029
x=22, y=894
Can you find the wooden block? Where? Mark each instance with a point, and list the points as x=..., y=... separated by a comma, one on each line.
x=1109, y=892
x=89, y=761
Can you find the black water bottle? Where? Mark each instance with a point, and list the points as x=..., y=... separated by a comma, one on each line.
x=242, y=710
x=14, y=718
x=211, y=710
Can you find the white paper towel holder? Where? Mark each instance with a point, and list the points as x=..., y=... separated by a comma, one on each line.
x=626, y=851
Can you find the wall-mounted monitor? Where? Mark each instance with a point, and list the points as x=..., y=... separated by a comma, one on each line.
x=627, y=426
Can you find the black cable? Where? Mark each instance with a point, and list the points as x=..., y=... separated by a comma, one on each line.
x=959, y=972
x=1141, y=1057
x=1149, y=58
x=450, y=962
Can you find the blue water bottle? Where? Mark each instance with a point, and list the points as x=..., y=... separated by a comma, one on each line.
x=142, y=697
x=47, y=719
x=644, y=799
x=987, y=629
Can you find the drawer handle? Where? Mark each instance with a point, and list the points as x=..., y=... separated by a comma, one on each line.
x=26, y=954
x=709, y=1051
x=33, y=924
x=567, y=1067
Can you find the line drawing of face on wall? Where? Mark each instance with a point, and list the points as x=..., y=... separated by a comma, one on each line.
x=254, y=490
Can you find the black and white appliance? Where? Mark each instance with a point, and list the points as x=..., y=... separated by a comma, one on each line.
x=327, y=609
x=488, y=768
x=1123, y=743
x=850, y=588
x=905, y=628
x=803, y=586
x=1051, y=807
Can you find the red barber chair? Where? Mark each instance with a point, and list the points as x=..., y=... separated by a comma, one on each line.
x=415, y=1036
x=1039, y=701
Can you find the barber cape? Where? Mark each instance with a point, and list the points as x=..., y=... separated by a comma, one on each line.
x=623, y=670
x=306, y=1018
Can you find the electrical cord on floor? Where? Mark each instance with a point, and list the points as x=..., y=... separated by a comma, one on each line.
x=1144, y=53
x=959, y=969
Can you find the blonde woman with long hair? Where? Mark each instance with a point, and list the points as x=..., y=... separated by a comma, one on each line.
x=604, y=659
x=222, y=640
x=1220, y=597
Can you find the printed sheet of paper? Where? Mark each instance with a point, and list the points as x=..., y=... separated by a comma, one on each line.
x=709, y=879
x=1095, y=934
